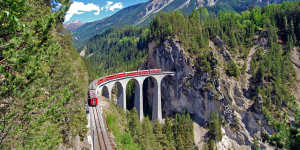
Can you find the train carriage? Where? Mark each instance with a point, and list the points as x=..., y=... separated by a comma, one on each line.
x=155, y=71
x=128, y=74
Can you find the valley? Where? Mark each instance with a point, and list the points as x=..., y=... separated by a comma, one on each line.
x=218, y=80
x=142, y=14
x=156, y=75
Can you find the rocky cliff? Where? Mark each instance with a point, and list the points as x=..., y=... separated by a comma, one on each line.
x=73, y=25
x=190, y=91
x=235, y=81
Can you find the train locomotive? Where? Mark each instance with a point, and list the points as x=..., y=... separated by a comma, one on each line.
x=92, y=98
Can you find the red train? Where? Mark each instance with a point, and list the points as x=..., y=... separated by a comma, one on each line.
x=128, y=74
x=92, y=98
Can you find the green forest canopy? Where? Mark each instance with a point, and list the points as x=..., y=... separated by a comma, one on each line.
x=272, y=71
x=39, y=91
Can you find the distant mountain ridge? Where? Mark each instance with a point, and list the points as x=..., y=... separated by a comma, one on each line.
x=141, y=14
x=73, y=25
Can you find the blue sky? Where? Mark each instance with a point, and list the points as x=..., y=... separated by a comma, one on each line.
x=91, y=10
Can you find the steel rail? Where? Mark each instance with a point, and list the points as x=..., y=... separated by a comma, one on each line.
x=100, y=135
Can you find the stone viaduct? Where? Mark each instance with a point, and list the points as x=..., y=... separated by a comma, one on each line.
x=121, y=80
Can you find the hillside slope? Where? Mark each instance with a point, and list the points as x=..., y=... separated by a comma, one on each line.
x=141, y=14
x=43, y=80
x=235, y=74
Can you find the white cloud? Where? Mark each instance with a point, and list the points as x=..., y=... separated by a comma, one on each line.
x=80, y=8
x=112, y=6
x=108, y=3
x=116, y=6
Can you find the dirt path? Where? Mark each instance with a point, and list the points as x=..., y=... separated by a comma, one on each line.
x=249, y=59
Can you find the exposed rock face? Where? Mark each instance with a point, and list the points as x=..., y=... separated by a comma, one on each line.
x=153, y=7
x=211, y=2
x=223, y=50
x=82, y=53
x=295, y=58
x=187, y=88
x=156, y=5
x=188, y=91
x=73, y=25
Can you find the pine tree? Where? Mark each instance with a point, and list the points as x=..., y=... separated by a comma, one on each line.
x=168, y=131
x=148, y=139
x=203, y=13
x=183, y=131
x=161, y=138
x=189, y=132
x=134, y=125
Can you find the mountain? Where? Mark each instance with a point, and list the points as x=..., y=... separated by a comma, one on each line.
x=236, y=75
x=73, y=25
x=141, y=14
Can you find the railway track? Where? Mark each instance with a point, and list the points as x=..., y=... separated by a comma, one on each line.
x=101, y=140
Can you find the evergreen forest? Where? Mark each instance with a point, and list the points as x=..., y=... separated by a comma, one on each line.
x=44, y=80
x=271, y=68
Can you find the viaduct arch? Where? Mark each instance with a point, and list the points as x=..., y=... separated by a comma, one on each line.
x=120, y=81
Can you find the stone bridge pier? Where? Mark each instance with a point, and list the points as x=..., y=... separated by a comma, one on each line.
x=121, y=85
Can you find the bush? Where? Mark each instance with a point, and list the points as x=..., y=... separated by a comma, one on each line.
x=232, y=69
x=243, y=69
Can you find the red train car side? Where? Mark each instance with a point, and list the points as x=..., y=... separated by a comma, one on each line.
x=144, y=72
x=132, y=73
x=155, y=71
x=128, y=74
x=100, y=81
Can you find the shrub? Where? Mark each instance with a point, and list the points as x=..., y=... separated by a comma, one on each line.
x=232, y=69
